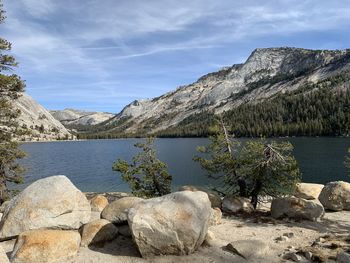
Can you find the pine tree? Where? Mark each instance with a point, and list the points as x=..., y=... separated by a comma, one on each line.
x=146, y=175
x=269, y=168
x=11, y=87
x=254, y=169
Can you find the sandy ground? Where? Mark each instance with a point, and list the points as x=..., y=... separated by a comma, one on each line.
x=123, y=250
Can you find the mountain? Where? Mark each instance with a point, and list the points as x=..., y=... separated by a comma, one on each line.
x=72, y=117
x=40, y=123
x=267, y=73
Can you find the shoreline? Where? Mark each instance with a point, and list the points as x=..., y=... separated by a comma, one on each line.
x=238, y=138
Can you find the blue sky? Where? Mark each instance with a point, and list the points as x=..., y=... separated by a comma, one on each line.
x=102, y=54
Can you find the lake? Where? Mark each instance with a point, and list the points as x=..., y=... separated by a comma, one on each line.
x=88, y=163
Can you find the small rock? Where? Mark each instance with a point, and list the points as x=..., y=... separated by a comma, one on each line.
x=98, y=232
x=289, y=235
x=98, y=203
x=235, y=204
x=124, y=230
x=216, y=216
x=45, y=246
x=3, y=256
x=248, y=248
x=209, y=238
x=292, y=256
x=281, y=239
x=343, y=257
x=308, y=255
x=117, y=211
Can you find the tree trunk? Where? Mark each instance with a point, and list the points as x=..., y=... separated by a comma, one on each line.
x=255, y=193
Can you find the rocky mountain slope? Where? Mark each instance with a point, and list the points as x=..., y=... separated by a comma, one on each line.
x=267, y=72
x=72, y=117
x=39, y=122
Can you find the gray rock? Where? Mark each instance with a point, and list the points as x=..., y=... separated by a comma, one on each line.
x=3, y=256
x=296, y=208
x=308, y=191
x=174, y=224
x=214, y=198
x=98, y=232
x=343, y=257
x=248, y=249
x=335, y=196
x=52, y=202
x=292, y=256
x=117, y=211
x=235, y=204
x=45, y=246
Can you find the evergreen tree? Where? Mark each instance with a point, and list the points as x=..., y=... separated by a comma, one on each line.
x=269, y=168
x=11, y=87
x=146, y=175
x=257, y=168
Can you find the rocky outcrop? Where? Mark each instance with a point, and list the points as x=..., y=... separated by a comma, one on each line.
x=45, y=246
x=214, y=198
x=266, y=72
x=52, y=202
x=308, y=191
x=117, y=211
x=78, y=117
x=236, y=204
x=98, y=203
x=174, y=224
x=335, y=196
x=297, y=208
x=39, y=122
x=98, y=232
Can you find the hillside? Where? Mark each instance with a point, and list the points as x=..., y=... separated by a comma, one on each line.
x=72, y=117
x=39, y=122
x=267, y=73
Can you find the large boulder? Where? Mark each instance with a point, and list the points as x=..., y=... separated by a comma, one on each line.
x=174, y=224
x=52, y=202
x=117, y=211
x=335, y=196
x=98, y=232
x=297, y=208
x=45, y=246
x=214, y=198
x=98, y=203
x=308, y=191
x=236, y=204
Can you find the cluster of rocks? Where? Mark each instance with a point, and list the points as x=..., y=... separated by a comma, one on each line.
x=51, y=219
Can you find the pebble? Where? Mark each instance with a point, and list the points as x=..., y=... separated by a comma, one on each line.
x=289, y=235
x=292, y=256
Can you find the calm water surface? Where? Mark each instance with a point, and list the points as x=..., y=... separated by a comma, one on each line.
x=88, y=163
